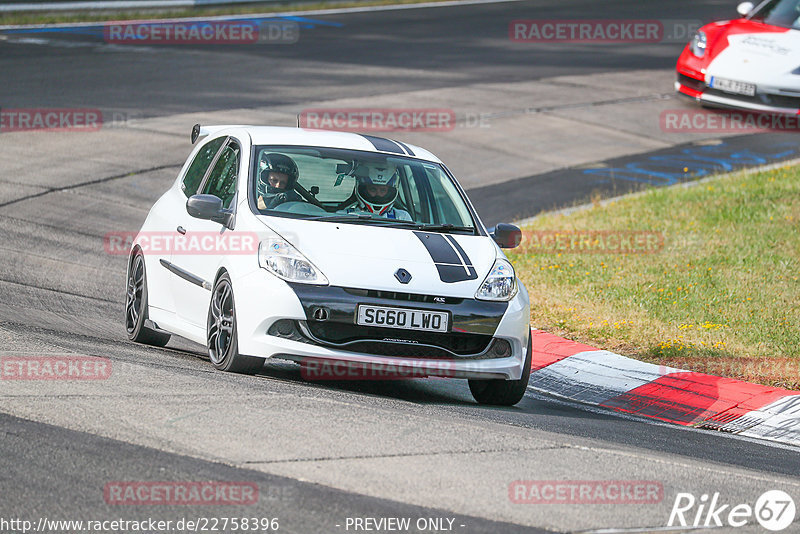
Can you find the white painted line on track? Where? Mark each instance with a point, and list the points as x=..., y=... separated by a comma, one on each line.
x=315, y=12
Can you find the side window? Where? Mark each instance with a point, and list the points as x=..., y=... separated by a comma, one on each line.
x=443, y=194
x=196, y=171
x=409, y=193
x=417, y=182
x=222, y=180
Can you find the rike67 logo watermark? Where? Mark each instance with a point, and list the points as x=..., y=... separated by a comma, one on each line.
x=774, y=510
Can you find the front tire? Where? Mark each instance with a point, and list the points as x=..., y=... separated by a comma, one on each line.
x=136, y=306
x=222, y=334
x=503, y=392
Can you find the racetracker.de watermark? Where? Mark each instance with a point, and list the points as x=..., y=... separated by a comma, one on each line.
x=388, y=369
x=62, y=367
x=50, y=120
x=591, y=242
x=586, y=492
x=190, y=243
x=725, y=121
x=172, y=493
x=379, y=119
x=202, y=32
x=772, y=369
x=602, y=31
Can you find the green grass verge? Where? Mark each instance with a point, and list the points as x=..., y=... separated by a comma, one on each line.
x=56, y=17
x=721, y=295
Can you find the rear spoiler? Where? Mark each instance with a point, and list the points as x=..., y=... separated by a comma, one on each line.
x=202, y=131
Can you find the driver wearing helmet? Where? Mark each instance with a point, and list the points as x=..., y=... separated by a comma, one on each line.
x=276, y=182
x=376, y=191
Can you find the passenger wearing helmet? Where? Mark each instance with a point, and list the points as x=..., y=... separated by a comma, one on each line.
x=277, y=179
x=376, y=191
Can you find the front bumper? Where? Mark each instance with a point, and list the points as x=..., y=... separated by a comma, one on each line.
x=506, y=368
x=486, y=339
x=762, y=102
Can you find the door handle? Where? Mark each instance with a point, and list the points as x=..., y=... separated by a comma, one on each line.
x=181, y=230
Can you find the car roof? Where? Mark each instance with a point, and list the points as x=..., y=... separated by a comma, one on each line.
x=276, y=135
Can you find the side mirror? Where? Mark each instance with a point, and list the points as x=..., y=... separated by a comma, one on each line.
x=195, y=133
x=207, y=207
x=745, y=8
x=507, y=235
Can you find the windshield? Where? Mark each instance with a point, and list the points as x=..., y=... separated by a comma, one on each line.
x=357, y=187
x=784, y=13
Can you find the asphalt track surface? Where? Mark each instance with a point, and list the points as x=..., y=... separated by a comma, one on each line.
x=319, y=452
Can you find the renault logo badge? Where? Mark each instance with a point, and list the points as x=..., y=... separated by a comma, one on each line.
x=403, y=276
x=321, y=314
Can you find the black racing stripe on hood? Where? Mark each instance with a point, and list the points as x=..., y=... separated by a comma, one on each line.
x=472, y=273
x=384, y=145
x=405, y=147
x=446, y=257
x=460, y=250
x=455, y=273
x=439, y=248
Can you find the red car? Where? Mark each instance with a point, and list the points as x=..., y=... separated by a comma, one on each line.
x=750, y=63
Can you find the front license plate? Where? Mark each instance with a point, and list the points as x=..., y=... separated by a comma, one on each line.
x=732, y=86
x=428, y=321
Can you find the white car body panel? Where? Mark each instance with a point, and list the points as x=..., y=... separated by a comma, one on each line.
x=763, y=59
x=350, y=256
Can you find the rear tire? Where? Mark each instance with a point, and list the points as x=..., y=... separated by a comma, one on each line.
x=503, y=392
x=222, y=334
x=136, y=306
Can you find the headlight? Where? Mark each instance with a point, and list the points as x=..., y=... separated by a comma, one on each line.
x=283, y=260
x=699, y=43
x=500, y=283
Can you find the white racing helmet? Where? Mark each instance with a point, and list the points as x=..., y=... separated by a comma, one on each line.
x=375, y=186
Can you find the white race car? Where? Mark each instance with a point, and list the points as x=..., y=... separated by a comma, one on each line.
x=319, y=246
x=751, y=63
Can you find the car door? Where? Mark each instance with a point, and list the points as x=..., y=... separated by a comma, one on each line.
x=161, y=226
x=201, y=244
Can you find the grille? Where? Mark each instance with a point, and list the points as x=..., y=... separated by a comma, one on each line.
x=406, y=297
x=393, y=342
x=452, y=343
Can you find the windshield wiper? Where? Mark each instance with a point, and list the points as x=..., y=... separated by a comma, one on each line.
x=367, y=218
x=446, y=227
x=357, y=218
x=345, y=217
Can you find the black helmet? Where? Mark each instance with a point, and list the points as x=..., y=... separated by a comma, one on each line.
x=278, y=163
